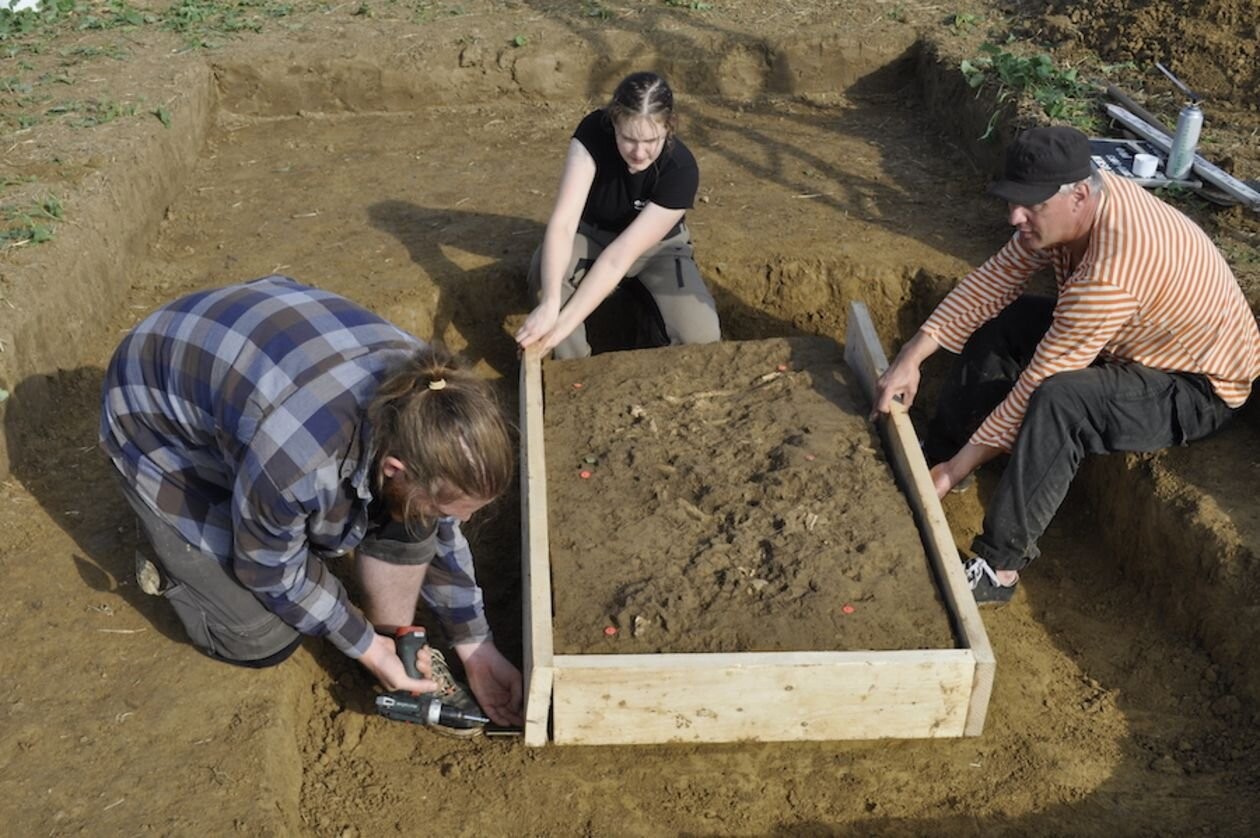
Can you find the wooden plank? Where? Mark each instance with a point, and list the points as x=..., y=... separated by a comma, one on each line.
x=866, y=357
x=761, y=697
x=536, y=555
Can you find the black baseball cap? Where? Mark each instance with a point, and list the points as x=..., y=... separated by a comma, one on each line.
x=1039, y=161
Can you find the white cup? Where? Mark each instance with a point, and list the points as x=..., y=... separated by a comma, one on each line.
x=1144, y=165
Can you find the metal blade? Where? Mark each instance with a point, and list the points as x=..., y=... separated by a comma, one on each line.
x=1194, y=97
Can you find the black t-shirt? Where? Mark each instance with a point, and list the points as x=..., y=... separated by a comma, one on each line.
x=616, y=196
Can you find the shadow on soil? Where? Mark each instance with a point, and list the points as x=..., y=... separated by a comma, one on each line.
x=1184, y=741
x=891, y=93
x=58, y=461
x=476, y=300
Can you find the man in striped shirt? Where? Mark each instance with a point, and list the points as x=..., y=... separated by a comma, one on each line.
x=260, y=429
x=1148, y=343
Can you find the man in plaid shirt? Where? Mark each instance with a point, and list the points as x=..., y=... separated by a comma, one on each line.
x=260, y=428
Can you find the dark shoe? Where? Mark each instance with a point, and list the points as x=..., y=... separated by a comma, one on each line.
x=984, y=584
x=454, y=694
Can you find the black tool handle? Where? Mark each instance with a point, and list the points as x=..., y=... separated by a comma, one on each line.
x=409, y=640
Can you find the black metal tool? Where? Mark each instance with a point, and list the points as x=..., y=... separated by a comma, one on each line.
x=425, y=709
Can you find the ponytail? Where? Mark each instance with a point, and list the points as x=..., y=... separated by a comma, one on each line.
x=444, y=423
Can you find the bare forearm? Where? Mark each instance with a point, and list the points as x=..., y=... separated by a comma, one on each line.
x=599, y=282
x=918, y=349
x=950, y=473
x=557, y=252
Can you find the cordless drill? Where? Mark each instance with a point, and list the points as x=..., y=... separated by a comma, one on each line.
x=425, y=709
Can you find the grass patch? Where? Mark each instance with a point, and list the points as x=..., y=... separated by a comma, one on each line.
x=89, y=113
x=592, y=8
x=961, y=22
x=1059, y=92
x=30, y=224
x=200, y=21
x=76, y=54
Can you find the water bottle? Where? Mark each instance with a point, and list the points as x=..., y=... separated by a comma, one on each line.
x=1181, y=154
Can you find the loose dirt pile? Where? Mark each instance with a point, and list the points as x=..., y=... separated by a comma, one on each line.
x=728, y=498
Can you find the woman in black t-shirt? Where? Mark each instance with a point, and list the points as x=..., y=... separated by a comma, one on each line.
x=627, y=184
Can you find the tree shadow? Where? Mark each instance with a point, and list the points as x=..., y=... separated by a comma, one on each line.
x=478, y=302
x=913, y=191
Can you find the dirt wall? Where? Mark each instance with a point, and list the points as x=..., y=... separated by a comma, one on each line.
x=63, y=294
x=1174, y=531
x=560, y=67
x=1106, y=719
x=69, y=289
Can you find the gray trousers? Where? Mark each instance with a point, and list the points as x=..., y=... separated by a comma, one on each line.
x=222, y=617
x=667, y=270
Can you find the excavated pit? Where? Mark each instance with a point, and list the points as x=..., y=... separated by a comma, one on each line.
x=425, y=207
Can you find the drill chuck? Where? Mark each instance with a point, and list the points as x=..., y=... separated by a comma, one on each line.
x=426, y=710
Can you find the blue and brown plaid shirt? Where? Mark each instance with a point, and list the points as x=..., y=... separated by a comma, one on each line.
x=237, y=414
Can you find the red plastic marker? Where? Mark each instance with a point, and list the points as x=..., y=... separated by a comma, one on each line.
x=584, y=474
x=609, y=631
x=577, y=385
x=782, y=368
x=809, y=457
x=848, y=609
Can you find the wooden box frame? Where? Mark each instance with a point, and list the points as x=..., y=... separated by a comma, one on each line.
x=753, y=696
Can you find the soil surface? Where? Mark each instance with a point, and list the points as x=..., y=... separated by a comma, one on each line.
x=405, y=154
x=728, y=498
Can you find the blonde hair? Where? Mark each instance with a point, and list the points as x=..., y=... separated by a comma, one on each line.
x=446, y=426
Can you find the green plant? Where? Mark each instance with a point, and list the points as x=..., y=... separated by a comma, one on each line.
x=693, y=5
x=1061, y=95
x=1240, y=254
x=15, y=24
x=199, y=20
x=519, y=41
x=116, y=14
x=961, y=22
x=592, y=8
x=28, y=225
x=91, y=112
x=6, y=181
x=1178, y=194
x=76, y=54
x=424, y=11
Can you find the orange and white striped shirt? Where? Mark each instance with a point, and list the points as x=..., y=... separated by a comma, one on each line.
x=1151, y=288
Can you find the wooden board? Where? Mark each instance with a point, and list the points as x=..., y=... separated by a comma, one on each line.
x=865, y=355
x=536, y=555
x=642, y=699
x=760, y=696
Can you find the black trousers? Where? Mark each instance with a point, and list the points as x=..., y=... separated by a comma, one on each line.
x=1111, y=406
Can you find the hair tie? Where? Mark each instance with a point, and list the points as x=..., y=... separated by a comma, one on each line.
x=437, y=384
